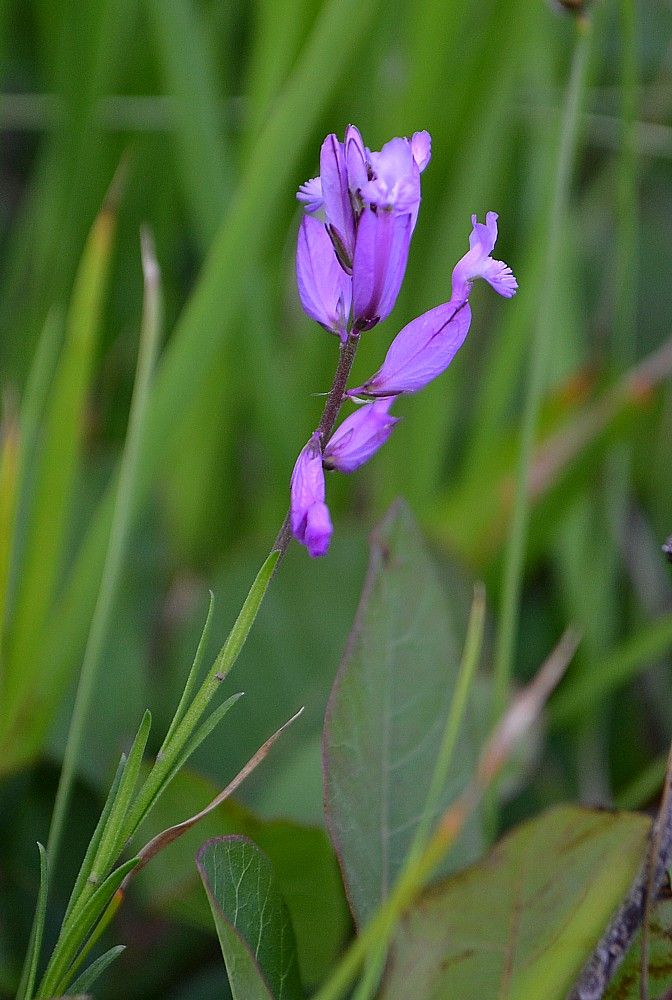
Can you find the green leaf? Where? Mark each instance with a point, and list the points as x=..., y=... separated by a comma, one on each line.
x=303, y=861
x=252, y=920
x=625, y=985
x=27, y=983
x=114, y=834
x=76, y=930
x=386, y=718
x=94, y=843
x=96, y=969
x=522, y=922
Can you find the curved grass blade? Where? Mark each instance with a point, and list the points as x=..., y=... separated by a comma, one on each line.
x=193, y=676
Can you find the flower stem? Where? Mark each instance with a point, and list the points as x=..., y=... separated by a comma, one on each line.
x=330, y=413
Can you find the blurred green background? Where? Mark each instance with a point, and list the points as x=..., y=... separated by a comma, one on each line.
x=217, y=111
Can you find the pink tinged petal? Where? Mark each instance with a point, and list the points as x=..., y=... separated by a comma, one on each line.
x=421, y=145
x=379, y=265
x=324, y=288
x=360, y=436
x=336, y=194
x=421, y=351
x=309, y=515
x=310, y=193
x=477, y=262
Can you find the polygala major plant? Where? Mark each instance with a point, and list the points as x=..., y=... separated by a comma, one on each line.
x=351, y=257
x=353, y=246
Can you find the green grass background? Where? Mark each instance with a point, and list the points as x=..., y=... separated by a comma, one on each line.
x=218, y=110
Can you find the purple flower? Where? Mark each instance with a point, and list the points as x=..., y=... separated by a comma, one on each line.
x=325, y=289
x=426, y=346
x=360, y=436
x=309, y=515
x=370, y=203
x=477, y=262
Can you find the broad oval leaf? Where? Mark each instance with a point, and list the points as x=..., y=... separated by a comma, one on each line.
x=386, y=716
x=252, y=920
x=522, y=922
x=303, y=862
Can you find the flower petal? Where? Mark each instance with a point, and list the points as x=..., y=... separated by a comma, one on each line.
x=310, y=193
x=477, y=262
x=360, y=436
x=421, y=145
x=309, y=515
x=324, y=288
x=421, y=351
x=336, y=194
x=379, y=265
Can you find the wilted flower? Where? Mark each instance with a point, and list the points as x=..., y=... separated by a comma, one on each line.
x=309, y=515
x=360, y=436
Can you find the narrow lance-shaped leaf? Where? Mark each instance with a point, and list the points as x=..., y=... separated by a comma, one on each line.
x=386, y=717
x=252, y=921
x=27, y=983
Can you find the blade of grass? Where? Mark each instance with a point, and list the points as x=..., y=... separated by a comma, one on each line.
x=611, y=673
x=189, y=71
x=58, y=466
x=33, y=406
x=95, y=970
x=192, y=678
x=27, y=983
x=75, y=933
x=515, y=550
x=118, y=540
x=9, y=471
x=223, y=663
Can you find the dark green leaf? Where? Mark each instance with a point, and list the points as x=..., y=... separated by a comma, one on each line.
x=386, y=717
x=521, y=923
x=252, y=920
